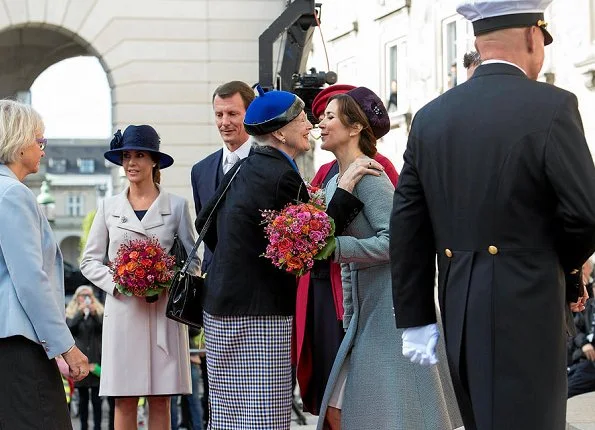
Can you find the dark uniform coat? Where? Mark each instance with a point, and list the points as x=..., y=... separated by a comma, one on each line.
x=498, y=182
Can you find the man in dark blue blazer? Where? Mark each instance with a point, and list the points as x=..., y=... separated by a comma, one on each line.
x=230, y=102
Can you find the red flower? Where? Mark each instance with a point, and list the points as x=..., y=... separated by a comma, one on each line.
x=142, y=267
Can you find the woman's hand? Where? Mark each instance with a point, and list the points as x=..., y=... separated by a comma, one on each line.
x=361, y=166
x=77, y=363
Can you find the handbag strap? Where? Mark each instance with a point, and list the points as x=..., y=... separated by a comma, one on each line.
x=205, y=227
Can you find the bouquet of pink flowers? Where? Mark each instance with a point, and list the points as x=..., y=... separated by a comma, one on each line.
x=142, y=268
x=299, y=234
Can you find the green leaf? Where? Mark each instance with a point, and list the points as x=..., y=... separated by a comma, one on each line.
x=327, y=251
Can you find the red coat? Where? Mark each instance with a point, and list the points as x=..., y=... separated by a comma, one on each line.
x=302, y=347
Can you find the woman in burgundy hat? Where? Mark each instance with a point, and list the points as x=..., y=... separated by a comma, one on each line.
x=371, y=385
x=319, y=306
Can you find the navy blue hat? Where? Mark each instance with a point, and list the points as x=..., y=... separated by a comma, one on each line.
x=270, y=111
x=136, y=138
x=373, y=108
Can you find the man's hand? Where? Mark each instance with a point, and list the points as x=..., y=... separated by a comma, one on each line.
x=419, y=344
x=589, y=351
x=580, y=305
x=77, y=363
x=361, y=166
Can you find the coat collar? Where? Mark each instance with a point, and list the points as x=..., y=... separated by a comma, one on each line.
x=271, y=152
x=498, y=69
x=5, y=171
x=153, y=218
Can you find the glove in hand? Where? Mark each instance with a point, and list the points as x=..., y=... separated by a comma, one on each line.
x=419, y=344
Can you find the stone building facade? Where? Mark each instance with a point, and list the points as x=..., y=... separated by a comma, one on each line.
x=417, y=46
x=162, y=58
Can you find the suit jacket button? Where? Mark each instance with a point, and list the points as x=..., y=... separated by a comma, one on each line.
x=492, y=250
x=448, y=253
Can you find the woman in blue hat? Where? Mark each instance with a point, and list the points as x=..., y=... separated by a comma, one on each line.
x=143, y=352
x=249, y=303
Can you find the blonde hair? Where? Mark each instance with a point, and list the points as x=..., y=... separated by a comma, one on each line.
x=18, y=124
x=73, y=305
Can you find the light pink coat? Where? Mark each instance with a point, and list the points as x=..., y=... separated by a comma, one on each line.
x=143, y=352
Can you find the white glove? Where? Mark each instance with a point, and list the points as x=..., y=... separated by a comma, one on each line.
x=419, y=344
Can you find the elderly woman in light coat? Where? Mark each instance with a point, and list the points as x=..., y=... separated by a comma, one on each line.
x=143, y=353
x=33, y=330
x=371, y=385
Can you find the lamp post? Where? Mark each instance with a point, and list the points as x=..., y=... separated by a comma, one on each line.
x=47, y=202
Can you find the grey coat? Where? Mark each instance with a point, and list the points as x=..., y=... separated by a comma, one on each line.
x=383, y=389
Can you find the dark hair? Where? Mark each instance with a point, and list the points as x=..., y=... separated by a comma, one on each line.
x=349, y=114
x=156, y=170
x=471, y=58
x=235, y=87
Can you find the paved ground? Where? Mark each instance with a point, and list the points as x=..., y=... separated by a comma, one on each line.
x=310, y=421
x=580, y=415
x=580, y=412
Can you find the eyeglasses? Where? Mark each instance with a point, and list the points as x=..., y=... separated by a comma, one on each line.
x=42, y=143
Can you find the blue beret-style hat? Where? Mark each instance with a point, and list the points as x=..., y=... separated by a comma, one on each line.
x=491, y=15
x=137, y=138
x=270, y=111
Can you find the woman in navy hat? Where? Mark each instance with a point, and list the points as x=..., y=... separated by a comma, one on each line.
x=143, y=352
x=250, y=303
x=371, y=385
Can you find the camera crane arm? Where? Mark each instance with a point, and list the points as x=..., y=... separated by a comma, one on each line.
x=298, y=20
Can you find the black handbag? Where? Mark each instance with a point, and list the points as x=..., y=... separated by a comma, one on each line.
x=185, y=300
x=186, y=296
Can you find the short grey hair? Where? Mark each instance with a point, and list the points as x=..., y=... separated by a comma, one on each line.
x=262, y=140
x=18, y=125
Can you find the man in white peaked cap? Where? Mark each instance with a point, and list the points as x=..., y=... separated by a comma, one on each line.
x=499, y=184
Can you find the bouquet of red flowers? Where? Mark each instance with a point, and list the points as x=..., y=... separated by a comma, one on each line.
x=142, y=268
x=299, y=234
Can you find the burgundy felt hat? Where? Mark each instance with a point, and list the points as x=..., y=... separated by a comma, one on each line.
x=321, y=99
x=373, y=109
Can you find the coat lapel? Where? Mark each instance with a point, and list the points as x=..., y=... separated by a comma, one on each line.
x=154, y=216
x=216, y=169
x=127, y=218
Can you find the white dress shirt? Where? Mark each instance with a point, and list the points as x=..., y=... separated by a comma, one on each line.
x=242, y=152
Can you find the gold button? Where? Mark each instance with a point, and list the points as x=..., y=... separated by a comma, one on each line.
x=492, y=250
x=448, y=252
x=574, y=272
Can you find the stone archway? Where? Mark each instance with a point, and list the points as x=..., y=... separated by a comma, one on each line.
x=28, y=50
x=163, y=59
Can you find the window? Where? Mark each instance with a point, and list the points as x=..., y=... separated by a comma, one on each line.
x=58, y=165
x=86, y=165
x=396, y=99
x=74, y=205
x=450, y=53
x=592, y=20
x=347, y=70
x=457, y=38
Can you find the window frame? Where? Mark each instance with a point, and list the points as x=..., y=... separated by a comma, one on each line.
x=401, y=45
x=464, y=42
x=75, y=205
